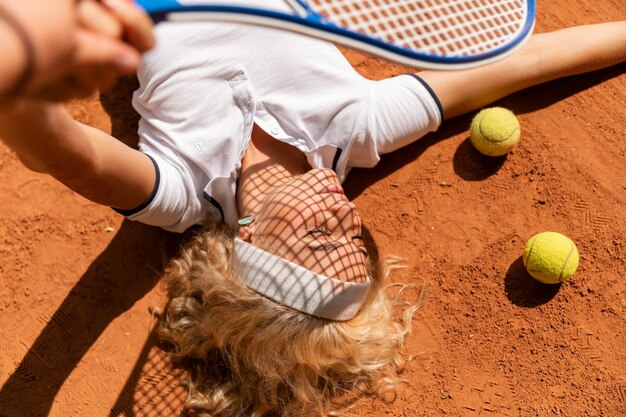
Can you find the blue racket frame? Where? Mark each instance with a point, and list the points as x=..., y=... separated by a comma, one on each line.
x=160, y=9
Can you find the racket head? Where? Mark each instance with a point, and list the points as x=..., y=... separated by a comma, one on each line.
x=427, y=34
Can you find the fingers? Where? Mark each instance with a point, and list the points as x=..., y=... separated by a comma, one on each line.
x=136, y=24
x=93, y=16
x=98, y=62
x=93, y=50
x=118, y=22
x=105, y=57
x=120, y=19
x=108, y=39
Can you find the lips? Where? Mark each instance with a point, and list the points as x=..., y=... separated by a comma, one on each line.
x=332, y=189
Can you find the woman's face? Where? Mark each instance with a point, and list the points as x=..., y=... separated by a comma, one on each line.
x=309, y=221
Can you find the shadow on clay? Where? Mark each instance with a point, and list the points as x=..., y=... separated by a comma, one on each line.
x=122, y=274
x=467, y=161
x=155, y=387
x=471, y=165
x=523, y=290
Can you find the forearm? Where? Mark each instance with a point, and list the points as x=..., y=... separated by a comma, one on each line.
x=578, y=50
x=86, y=160
x=45, y=137
x=544, y=58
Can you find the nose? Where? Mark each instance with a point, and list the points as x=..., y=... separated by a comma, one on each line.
x=325, y=175
x=343, y=207
x=345, y=219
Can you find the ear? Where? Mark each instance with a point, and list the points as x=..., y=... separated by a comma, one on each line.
x=245, y=233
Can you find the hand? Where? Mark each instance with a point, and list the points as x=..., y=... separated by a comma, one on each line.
x=108, y=40
x=81, y=45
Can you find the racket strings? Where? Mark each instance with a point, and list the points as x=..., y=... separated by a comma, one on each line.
x=439, y=27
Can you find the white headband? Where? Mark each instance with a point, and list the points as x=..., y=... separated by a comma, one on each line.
x=295, y=286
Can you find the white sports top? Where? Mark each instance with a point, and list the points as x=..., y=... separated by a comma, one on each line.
x=206, y=84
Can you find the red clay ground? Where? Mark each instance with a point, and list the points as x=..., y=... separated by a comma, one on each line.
x=77, y=282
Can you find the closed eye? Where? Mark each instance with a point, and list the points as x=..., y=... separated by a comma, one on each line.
x=318, y=230
x=361, y=248
x=328, y=246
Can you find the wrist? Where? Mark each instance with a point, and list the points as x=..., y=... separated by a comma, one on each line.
x=18, y=111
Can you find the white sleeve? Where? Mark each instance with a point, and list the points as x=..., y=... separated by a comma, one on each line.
x=404, y=110
x=173, y=204
x=401, y=109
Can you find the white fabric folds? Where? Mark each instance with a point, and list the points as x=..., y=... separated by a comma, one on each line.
x=297, y=287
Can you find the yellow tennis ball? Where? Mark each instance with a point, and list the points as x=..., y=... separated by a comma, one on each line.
x=550, y=257
x=494, y=131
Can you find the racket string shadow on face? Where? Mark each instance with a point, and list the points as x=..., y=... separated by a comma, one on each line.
x=310, y=222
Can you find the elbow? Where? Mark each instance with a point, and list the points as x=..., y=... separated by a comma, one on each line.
x=67, y=168
x=69, y=171
x=35, y=164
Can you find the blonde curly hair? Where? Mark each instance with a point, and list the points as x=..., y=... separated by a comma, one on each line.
x=250, y=356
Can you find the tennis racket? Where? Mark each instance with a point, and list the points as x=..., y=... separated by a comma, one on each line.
x=435, y=34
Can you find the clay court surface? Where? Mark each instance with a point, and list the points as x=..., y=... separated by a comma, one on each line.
x=78, y=283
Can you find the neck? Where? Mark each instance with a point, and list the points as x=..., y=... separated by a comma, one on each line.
x=267, y=164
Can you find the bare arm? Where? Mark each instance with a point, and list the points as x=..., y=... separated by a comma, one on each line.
x=544, y=58
x=87, y=160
